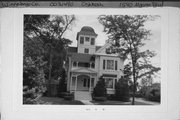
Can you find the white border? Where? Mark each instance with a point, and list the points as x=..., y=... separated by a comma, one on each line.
x=12, y=73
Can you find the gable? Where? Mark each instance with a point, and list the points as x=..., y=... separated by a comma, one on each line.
x=103, y=48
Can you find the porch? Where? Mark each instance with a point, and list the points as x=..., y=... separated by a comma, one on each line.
x=82, y=80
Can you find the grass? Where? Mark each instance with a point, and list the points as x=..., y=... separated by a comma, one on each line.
x=59, y=101
x=110, y=102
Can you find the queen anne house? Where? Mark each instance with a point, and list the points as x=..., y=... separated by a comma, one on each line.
x=87, y=62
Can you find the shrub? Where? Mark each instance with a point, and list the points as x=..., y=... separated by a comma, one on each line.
x=122, y=90
x=100, y=88
x=69, y=96
x=62, y=84
x=153, y=93
x=100, y=98
x=33, y=79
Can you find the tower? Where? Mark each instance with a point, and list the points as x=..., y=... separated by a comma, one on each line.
x=86, y=40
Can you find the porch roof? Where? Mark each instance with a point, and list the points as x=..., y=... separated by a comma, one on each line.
x=83, y=70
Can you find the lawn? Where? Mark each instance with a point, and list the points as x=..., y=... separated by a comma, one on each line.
x=58, y=101
x=110, y=102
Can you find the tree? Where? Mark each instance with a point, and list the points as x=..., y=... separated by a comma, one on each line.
x=46, y=31
x=122, y=90
x=33, y=79
x=127, y=35
x=100, y=88
x=62, y=82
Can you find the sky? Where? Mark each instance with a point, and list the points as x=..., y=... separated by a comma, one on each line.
x=91, y=20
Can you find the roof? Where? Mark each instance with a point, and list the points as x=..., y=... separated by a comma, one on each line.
x=86, y=30
x=98, y=47
x=81, y=57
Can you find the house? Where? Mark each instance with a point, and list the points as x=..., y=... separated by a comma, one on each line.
x=87, y=62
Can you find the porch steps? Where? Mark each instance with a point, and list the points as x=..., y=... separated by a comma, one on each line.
x=83, y=95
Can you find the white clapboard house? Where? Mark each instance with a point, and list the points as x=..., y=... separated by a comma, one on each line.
x=87, y=62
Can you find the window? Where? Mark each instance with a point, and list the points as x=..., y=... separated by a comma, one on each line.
x=116, y=65
x=88, y=82
x=92, y=65
x=73, y=81
x=82, y=64
x=81, y=40
x=86, y=50
x=109, y=83
x=110, y=64
x=92, y=82
x=87, y=39
x=84, y=83
x=74, y=64
x=92, y=41
x=104, y=64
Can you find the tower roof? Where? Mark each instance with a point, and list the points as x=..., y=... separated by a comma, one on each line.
x=86, y=30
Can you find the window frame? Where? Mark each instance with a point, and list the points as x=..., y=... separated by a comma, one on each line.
x=116, y=65
x=93, y=39
x=110, y=67
x=113, y=84
x=81, y=40
x=85, y=50
x=87, y=40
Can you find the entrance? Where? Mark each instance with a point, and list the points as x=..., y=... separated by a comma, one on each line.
x=83, y=83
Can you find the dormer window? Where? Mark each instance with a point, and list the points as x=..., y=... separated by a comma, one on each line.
x=81, y=40
x=92, y=41
x=87, y=39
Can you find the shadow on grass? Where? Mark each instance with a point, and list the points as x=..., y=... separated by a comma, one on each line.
x=58, y=101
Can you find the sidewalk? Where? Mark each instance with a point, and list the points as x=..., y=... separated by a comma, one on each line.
x=86, y=102
x=145, y=101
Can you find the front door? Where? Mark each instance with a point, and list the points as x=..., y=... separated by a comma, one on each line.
x=83, y=83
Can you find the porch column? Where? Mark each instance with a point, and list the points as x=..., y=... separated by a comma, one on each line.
x=75, y=84
x=70, y=83
x=90, y=84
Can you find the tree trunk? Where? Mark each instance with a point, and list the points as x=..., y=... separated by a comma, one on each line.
x=50, y=67
x=134, y=84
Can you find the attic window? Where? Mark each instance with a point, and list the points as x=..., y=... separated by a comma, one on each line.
x=108, y=51
x=87, y=39
x=81, y=40
x=92, y=41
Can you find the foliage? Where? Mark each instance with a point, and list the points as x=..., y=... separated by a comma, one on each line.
x=62, y=82
x=100, y=88
x=153, y=92
x=127, y=35
x=43, y=37
x=122, y=90
x=33, y=80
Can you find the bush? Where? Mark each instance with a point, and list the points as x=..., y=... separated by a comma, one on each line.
x=122, y=90
x=68, y=96
x=33, y=79
x=100, y=98
x=153, y=93
x=62, y=84
x=100, y=88
x=111, y=97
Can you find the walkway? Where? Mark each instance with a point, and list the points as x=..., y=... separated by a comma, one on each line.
x=83, y=95
x=86, y=102
x=141, y=100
